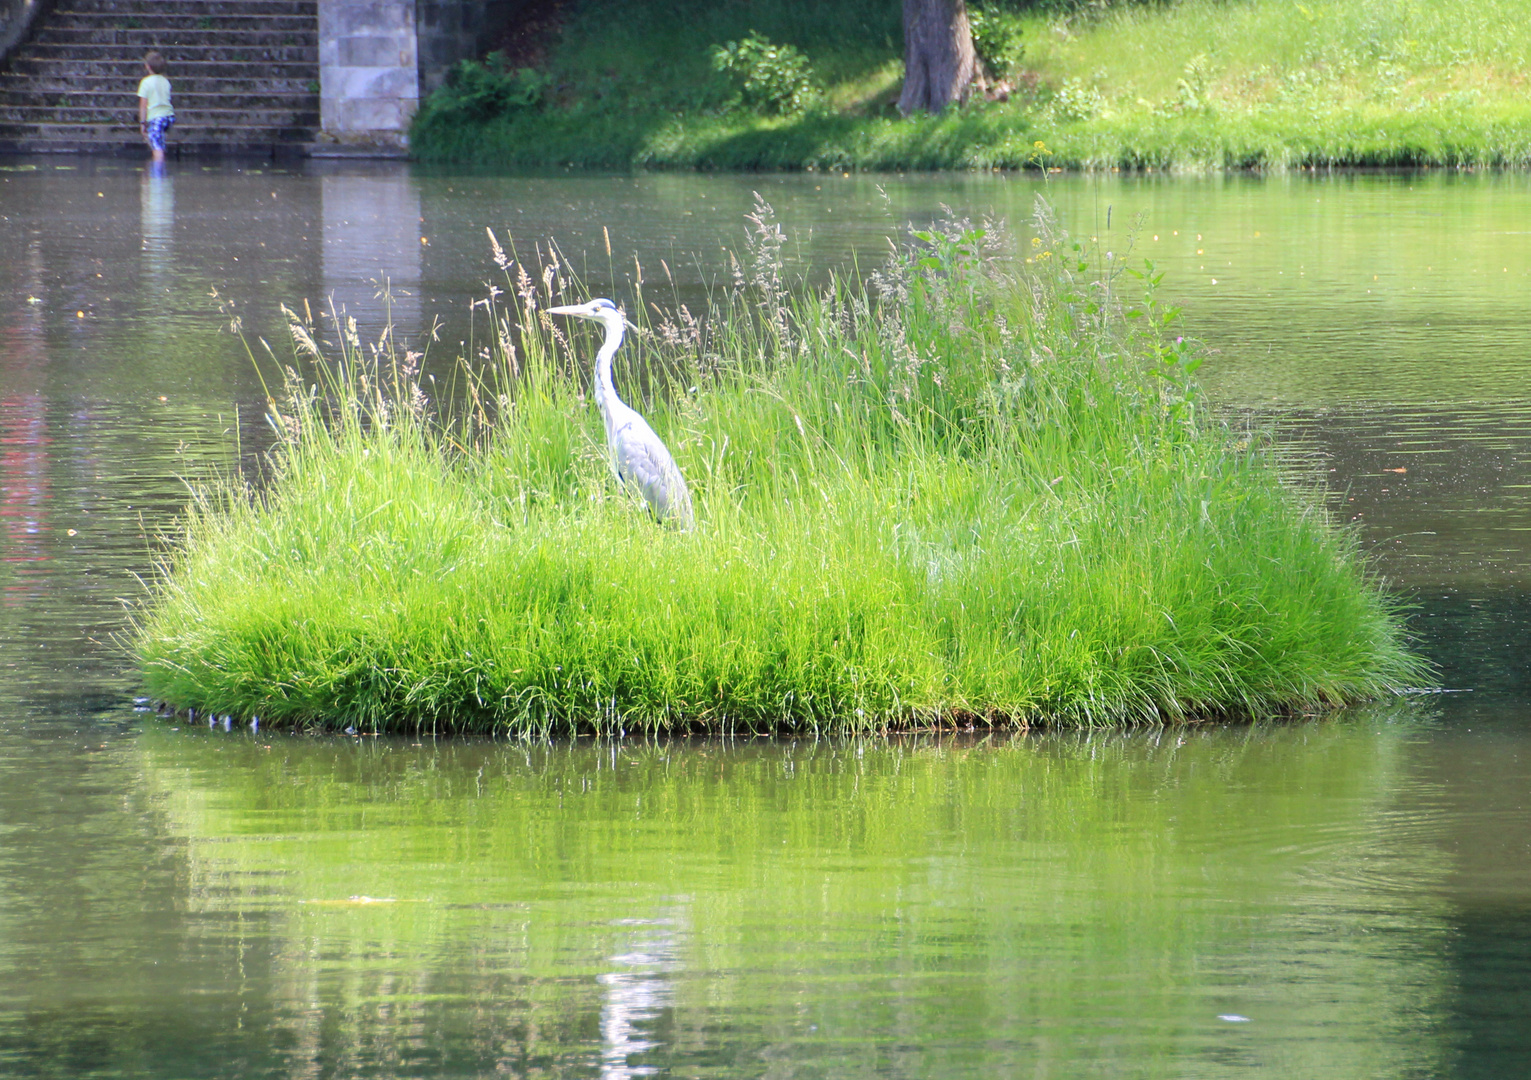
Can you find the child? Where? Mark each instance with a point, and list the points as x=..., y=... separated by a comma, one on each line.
x=154, y=112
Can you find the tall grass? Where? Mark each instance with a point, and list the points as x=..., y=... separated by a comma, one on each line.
x=1317, y=54
x=1272, y=83
x=974, y=488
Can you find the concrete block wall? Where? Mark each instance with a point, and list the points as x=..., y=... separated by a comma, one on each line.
x=369, y=84
x=378, y=58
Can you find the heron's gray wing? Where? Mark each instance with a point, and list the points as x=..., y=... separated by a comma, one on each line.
x=643, y=459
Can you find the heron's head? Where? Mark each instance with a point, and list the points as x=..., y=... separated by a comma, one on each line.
x=599, y=309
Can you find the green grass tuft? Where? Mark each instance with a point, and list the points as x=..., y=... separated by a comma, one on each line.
x=975, y=488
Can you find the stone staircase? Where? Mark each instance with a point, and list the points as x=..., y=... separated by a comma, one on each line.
x=244, y=76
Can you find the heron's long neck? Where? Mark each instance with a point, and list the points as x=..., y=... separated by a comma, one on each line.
x=605, y=389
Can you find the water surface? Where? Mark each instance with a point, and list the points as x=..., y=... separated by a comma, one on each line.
x=1345, y=897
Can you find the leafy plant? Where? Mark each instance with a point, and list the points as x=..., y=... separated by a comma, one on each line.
x=1191, y=89
x=1173, y=358
x=481, y=91
x=998, y=38
x=769, y=78
x=1076, y=100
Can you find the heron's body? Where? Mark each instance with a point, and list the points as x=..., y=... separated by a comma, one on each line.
x=638, y=456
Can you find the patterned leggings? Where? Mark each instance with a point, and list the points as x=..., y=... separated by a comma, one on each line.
x=156, y=131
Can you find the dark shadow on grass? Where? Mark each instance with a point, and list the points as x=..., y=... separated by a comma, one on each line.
x=965, y=139
x=960, y=139
x=545, y=140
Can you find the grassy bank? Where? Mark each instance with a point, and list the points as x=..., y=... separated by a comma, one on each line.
x=1195, y=84
x=974, y=489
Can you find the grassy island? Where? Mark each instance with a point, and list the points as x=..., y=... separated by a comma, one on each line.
x=980, y=487
x=1189, y=84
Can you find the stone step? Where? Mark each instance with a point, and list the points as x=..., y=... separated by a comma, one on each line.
x=245, y=77
x=266, y=149
x=192, y=8
x=83, y=21
x=278, y=117
x=120, y=102
x=177, y=40
x=118, y=133
x=132, y=70
x=184, y=54
x=51, y=87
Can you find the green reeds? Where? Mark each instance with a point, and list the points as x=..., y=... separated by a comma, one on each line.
x=972, y=489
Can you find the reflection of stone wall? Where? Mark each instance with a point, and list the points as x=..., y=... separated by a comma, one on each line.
x=372, y=233
x=369, y=87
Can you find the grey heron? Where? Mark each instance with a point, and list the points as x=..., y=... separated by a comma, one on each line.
x=638, y=456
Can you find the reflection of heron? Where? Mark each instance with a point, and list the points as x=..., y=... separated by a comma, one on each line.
x=635, y=997
x=637, y=454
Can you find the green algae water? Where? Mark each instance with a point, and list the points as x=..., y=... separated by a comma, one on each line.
x=852, y=908
x=1333, y=899
x=1279, y=901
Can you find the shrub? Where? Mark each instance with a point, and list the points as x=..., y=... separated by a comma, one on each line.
x=998, y=39
x=1191, y=91
x=769, y=78
x=1076, y=100
x=482, y=90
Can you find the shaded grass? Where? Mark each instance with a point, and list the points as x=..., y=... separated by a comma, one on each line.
x=995, y=137
x=969, y=490
x=826, y=141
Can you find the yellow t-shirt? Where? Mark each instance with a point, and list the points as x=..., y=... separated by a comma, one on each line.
x=155, y=89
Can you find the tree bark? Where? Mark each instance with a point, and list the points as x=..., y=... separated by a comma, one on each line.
x=940, y=66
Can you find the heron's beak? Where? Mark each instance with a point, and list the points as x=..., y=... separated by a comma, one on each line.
x=572, y=309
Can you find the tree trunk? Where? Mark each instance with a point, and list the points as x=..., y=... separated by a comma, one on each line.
x=939, y=64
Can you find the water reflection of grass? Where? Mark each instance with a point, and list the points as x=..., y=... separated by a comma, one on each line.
x=958, y=494
x=994, y=901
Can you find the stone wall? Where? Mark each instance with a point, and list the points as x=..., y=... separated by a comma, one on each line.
x=369, y=85
x=453, y=30
x=378, y=58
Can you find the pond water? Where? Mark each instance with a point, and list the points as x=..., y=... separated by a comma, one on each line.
x=1343, y=897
